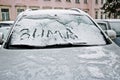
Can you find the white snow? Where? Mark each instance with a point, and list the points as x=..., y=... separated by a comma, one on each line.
x=97, y=55
x=95, y=72
x=56, y=30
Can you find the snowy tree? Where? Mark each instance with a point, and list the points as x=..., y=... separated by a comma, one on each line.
x=112, y=7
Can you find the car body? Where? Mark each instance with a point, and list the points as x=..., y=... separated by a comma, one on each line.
x=111, y=24
x=58, y=45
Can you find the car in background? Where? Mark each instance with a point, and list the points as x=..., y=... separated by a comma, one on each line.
x=58, y=45
x=111, y=24
x=5, y=27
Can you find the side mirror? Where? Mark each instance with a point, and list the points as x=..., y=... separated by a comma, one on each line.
x=111, y=34
x=1, y=38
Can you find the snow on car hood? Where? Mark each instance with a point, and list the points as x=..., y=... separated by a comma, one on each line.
x=90, y=63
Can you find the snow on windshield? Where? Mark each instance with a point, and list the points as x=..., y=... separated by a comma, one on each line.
x=46, y=30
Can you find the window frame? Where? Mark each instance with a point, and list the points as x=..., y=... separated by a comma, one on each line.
x=85, y=1
x=68, y=0
x=77, y=1
x=5, y=14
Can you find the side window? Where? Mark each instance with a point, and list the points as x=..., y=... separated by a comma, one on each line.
x=103, y=26
x=116, y=27
x=19, y=11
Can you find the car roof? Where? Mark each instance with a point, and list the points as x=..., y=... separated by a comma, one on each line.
x=54, y=11
x=8, y=22
x=112, y=20
x=109, y=20
x=99, y=20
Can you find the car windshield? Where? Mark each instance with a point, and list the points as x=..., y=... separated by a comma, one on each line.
x=116, y=26
x=47, y=30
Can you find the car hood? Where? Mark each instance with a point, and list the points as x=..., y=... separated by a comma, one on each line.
x=73, y=63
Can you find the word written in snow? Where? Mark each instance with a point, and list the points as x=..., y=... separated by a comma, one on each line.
x=47, y=33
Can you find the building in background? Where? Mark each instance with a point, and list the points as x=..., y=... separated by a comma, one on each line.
x=9, y=9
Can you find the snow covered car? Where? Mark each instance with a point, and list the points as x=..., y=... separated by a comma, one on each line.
x=111, y=24
x=58, y=45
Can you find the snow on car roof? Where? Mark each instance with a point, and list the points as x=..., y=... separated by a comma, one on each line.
x=53, y=11
x=10, y=22
x=110, y=20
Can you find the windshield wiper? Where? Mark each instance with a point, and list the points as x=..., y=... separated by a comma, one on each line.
x=64, y=45
x=22, y=46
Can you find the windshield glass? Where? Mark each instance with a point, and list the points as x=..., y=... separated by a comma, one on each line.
x=115, y=26
x=46, y=30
